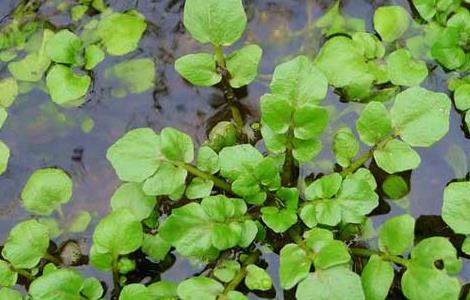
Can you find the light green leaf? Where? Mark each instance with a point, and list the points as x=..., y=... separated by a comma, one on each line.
x=308, y=215
x=237, y=160
x=391, y=22
x=207, y=160
x=446, y=50
x=421, y=117
x=53, y=226
x=300, y=81
x=305, y=151
x=456, y=207
x=26, y=244
x=276, y=112
x=404, y=70
x=9, y=89
x=168, y=180
x=396, y=235
x=374, y=123
x=100, y=258
x=222, y=135
x=377, y=277
x=121, y=32
x=92, y=288
x=462, y=97
x=330, y=253
x=199, y=288
x=214, y=21
x=135, y=155
x=80, y=222
x=118, y=233
x=294, y=265
x=279, y=220
x=135, y=291
x=163, y=290
x=155, y=247
x=10, y=294
x=136, y=75
x=345, y=146
x=199, y=69
x=334, y=283
x=370, y=44
x=176, y=145
x=65, y=87
x=243, y=65
x=396, y=156
x=61, y=283
x=395, y=187
x=8, y=276
x=309, y=121
x=78, y=11
x=257, y=278
x=93, y=56
x=430, y=250
x=226, y=270
x=130, y=195
x=46, y=190
x=64, y=47
x=425, y=8
x=199, y=188
x=4, y=157
x=324, y=188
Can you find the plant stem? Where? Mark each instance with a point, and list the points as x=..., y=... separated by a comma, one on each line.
x=385, y=256
x=52, y=259
x=117, y=286
x=228, y=91
x=218, y=182
x=232, y=285
x=25, y=274
x=288, y=168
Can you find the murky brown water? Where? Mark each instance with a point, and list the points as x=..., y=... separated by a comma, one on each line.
x=41, y=134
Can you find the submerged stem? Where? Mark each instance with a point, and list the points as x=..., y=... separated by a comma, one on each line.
x=385, y=256
x=218, y=182
x=232, y=285
x=52, y=259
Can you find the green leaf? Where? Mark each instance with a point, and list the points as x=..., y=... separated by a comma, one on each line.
x=428, y=251
x=118, y=233
x=404, y=70
x=207, y=160
x=93, y=56
x=308, y=215
x=136, y=75
x=65, y=87
x=395, y=187
x=4, y=157
x=10, y=294
x=279, y=220
x=26, y=244
x=163, y=290
x=238, y=160
x=199, y=69
x=9, y=88
x=446, y=50
x=391, y=22
x=309, y=121
x=126, y=265
x=374, y=123
x=330, y=253
x=305, y=151
x=345, y=146
x=61, y=283
x=294, y=265
x=370, y=44
x=226, y=270
x=243, y=64
x=396, y=156
x=46, y=190
x=199, y=288
x=176, y=145
x=299, y=81
x=366, y=175
x=92, y=288
x=466, y=245
x=80, y=222
x=334, y=283
x=396, y=235
x=220, y=23
x=325, y=187
x=3, y=116
x=121, y=32
x=236, y=295
x=223, y=134
x=135, y=291
x=377, y=277
x=276, y=112
x=64, y=47
x=199, y=188
x=425, y=8
x=78, y=11
x=100, y=258
x=8, y=276
x=421, y=117
x=462, y=97
x=168, y=180
x=456, y=207
x=131, y=196
x=155, y=247
x=257, y=278
x=135, y=155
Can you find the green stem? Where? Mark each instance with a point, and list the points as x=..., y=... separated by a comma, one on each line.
x=295, y=236
x=116, y=283
x=385, y=256
x=232, y=285
x=288, y=168
x=52, y=259
x=25, y=274
x=218, y=182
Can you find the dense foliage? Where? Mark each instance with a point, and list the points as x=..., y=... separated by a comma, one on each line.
x=226, y=202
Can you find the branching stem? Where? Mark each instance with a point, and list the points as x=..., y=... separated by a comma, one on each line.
x=385, y=256
x=218, y=182
x=232, y=285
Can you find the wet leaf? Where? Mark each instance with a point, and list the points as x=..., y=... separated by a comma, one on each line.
x=64, y=47
x=9, y=89
x=199, y=69
x=131, y=196
x=404, y=70
x=391, y=22
x=345, y=146
x=136, y=75
x=66, y=87
x=199, y=288
x=242, y=65
x=396, y=235
x=396, y=156
x=462, y=97
x=80, y=222
x=374, y=123
x=93, y=56
x=176, y=145
x=64, y=282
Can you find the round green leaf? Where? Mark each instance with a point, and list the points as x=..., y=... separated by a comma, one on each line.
x=80, y=222
x=65, y=87
x=176, y=145
x=345, y=146
x=391, y=22
x=395, y=187
x=276, y=112
x=330, y=253
x=219, y=22
x=168, y=180
x=306, y=150
x=26, y=244
x=4, y=157
x=309, y=121
x=92, y=288
x=93, y=56
x=121, y=32
x=237, y=160
x=278, y=220
x=257, y=278
x=456, y=207
x=207, y=160
x=199, y=288
x=428, y=251
x=135, y=155
x=119, y=233
x=374, y=123
x=163, y=290
x=46, y=190
x=64, y=47
x=8, y=276
x=462, y=97
x=61, y=283
x=294, y=265
x=135, y=291
x=226, y=270
x=10, y=294
x=243, y=65
x=30, y=68
x=199, y=188
x=446, y=50
x=199, y=69
x=155, y=247
x=421, y=117
x=404, y=70
x=396, y=156
x=396, y=235
x=9, y=88
x=131, y=196
x=136, y=75
x=377, y=277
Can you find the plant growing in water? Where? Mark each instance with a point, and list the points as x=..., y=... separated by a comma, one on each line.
x=223, y=203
